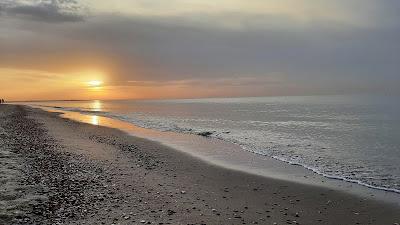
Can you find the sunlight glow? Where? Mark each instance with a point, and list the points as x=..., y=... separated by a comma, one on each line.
x=95, y=83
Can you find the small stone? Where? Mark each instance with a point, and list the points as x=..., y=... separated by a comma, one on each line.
x=170, y=212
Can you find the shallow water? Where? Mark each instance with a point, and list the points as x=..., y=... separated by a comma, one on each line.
x=356, y=138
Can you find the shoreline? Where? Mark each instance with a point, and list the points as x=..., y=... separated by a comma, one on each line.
x=141, y=181
x=233, y=156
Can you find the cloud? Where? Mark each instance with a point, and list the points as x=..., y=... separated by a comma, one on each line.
x=237, y=14
x=274, y=53
x=51, y=11
x=272, y=80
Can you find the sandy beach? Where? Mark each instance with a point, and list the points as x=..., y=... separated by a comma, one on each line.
x=57, y=171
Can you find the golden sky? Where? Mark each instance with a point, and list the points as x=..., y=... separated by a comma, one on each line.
x=123, y=49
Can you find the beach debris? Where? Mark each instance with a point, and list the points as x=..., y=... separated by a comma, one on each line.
x=183, y=192
x=328, y=202
x=170, y=212
x=205, y=133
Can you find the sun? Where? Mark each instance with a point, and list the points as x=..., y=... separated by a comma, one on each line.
x=95, y=83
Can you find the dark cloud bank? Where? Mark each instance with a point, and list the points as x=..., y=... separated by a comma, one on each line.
x=53, y=11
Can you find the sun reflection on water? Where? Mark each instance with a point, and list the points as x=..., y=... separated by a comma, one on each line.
x=96, y=105
x=95, y=120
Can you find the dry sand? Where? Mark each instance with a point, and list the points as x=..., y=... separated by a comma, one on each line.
x=57, y=171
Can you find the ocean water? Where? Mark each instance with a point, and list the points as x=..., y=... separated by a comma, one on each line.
x=353, y=138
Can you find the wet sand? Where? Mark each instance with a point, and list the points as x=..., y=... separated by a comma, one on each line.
x=55, y=170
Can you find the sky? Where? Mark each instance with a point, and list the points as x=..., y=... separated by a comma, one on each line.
x=135, y=49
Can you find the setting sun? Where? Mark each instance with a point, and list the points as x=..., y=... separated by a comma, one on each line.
x=95, y=83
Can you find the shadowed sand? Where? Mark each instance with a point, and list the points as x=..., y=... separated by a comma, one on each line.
x=61, y=171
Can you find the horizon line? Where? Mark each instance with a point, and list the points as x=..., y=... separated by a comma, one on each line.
x=212, y=97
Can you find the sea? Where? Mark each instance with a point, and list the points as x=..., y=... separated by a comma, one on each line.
x=355, y=138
